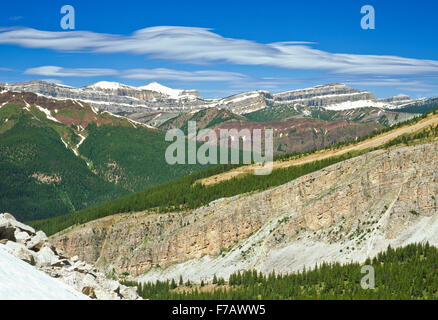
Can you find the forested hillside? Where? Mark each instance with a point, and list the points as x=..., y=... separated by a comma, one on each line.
x=421, y=106
x=133, y=158
x=206, y=118
x=58, y=157
x=360, y=115
x=402, y=273
x=41, y=178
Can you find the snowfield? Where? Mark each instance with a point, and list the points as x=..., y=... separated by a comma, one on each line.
x=20, y=281
x=358, y=104
x=155, y=86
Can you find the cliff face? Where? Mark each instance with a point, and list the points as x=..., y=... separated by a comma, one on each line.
x=321, y=95
x=119, y=98
x=345, y=212
x=397, y=100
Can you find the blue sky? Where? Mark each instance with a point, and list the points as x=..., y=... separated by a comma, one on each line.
x=225, y=47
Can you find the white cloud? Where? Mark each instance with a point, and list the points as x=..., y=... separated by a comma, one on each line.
x=202, y=46
x=141, y=74
x=55, y=71
x=15, y=18
x=178, y=75
x=389, y=82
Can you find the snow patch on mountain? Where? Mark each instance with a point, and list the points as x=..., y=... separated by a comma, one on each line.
x=357, y=104
x=155, y=86
x=107, y=85
x=80, y=142
x=48, y=114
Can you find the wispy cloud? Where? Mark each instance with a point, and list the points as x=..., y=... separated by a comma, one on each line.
x=389, y=82
x=178, y=75
x=16, y=18
x=141, y=74
x=405, y=84
x=202, y=46
x=233, y=80
x=55, y=71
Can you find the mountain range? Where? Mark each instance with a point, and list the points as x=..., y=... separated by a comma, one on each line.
x=155, y=103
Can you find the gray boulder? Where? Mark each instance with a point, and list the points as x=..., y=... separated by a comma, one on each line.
x=37, y=241
x=6, y=220
x=129, y=293
x=46, y=257
x=21, y=252
x=89, y=291
x=111, y=285
x=21, y=236
x=7, y=230
x=9, y=216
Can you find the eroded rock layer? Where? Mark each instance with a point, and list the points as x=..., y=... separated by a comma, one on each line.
x=348, y=211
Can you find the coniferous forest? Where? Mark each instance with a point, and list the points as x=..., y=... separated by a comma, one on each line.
x=402, y=273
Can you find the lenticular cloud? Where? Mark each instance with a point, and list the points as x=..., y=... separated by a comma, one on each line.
x=202, y=46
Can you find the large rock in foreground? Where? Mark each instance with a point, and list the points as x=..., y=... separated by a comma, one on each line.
x=34, y=248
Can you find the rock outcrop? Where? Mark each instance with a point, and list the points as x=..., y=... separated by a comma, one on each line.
x=397, y=101
x=346, y=212
x=32, y=247
x=320, y=96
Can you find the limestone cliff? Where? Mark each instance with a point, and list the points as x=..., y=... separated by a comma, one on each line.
x=345, y=212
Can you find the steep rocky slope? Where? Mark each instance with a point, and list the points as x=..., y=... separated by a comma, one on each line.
x=45, y=272
x=346, y=212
